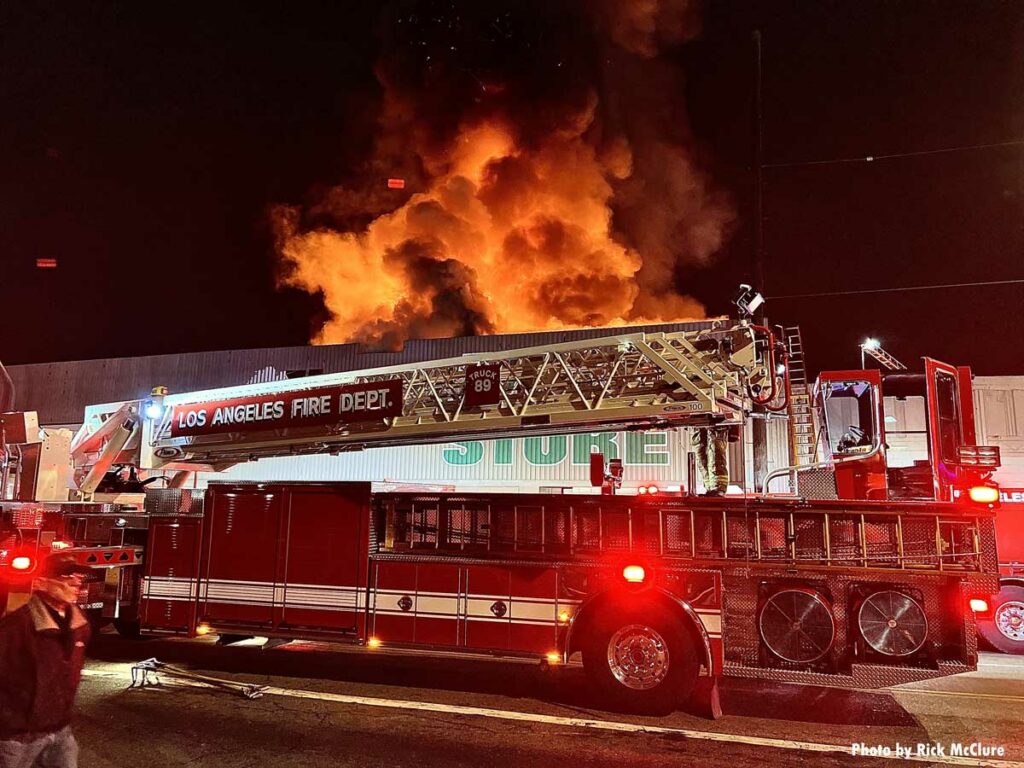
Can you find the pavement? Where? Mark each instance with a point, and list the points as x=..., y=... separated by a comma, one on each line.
x=333, y=706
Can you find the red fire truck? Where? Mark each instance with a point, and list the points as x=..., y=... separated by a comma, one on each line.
x=861, y=573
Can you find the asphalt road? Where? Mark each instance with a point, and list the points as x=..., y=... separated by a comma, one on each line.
x=334, y=707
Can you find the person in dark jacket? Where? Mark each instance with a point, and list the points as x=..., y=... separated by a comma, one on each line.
x=42, y=650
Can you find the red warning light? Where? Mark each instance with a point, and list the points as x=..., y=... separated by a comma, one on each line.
x=396, y=183
x=978, y=605
x=984, y=494
x=634, y=574
x=46, y=263
x=22, y=563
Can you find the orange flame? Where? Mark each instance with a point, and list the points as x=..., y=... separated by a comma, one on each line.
x=501, y=235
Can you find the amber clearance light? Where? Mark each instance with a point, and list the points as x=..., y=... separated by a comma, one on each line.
x=978, y=605
x=634, y=574
x=984, y=494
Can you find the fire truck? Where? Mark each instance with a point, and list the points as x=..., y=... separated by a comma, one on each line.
x=862, y=571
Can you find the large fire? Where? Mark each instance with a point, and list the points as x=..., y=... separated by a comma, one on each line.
x=507, y=222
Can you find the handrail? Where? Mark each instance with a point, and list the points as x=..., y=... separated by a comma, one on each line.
x=761, y=536
x=875, y=449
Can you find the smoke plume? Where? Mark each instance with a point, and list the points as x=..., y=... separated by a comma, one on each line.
x=549, y=179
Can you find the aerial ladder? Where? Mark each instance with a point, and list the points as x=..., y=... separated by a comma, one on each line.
x=632, y=381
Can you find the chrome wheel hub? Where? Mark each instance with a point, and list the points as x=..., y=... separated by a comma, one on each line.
x=1009, y=618
x=638, y=657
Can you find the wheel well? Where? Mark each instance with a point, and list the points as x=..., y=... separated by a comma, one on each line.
x=1011, y=581
x=585, y=618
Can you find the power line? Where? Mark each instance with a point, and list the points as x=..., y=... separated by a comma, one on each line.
x=873, y=158
x=1019, y=281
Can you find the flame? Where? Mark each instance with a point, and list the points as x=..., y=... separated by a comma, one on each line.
x=499, y=233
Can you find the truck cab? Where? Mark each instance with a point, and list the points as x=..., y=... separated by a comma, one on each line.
x=904, y=436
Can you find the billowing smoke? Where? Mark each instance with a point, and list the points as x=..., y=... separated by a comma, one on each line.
x=549, y=180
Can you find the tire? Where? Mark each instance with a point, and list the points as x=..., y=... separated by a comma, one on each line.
x=1003, y=628
x=641, y=659
x=128, y=628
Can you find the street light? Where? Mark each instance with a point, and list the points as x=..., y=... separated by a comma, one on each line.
x=867, y=344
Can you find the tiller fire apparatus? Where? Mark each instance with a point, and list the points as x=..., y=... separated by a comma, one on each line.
x=856, y=573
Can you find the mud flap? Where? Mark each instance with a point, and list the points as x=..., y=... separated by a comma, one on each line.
x=705, y=698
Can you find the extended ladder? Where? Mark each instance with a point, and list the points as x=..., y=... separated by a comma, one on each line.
x=630, y=381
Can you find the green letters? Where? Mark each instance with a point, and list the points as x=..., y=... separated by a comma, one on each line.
x=535, y=453
x=503, y=451
x=603, y=441
x=638, y=443
x=465, y=453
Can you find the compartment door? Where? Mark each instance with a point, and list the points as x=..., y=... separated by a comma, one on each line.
x=534, y=610
x=438, y=594
x=171, y=577
x=242, y=537
x=488, y=607
x=393, y=602
x=326, y=565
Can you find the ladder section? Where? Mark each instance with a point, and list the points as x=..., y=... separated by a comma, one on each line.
x=802, y=427
x=633, y=381
x=886, y=360
x=795, y=347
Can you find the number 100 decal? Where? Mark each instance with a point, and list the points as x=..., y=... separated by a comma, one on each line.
x=483, y=385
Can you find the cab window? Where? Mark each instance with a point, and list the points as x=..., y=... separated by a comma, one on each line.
x=948, y=415
x=906, y=430
x=849, y=409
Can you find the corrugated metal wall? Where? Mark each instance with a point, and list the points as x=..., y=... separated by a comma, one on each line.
x=521, y=464
x=999, y=416
x=524, y=464
x=59, y=392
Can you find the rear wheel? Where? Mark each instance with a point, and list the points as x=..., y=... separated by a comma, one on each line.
x=1004, y=628
x=641, y=659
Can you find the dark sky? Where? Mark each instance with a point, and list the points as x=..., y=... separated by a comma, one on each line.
x=141, y=145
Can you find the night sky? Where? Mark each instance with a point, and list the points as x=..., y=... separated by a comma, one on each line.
x=143, y=145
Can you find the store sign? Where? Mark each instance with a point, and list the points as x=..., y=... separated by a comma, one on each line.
x=648, y=449
x=302, y=408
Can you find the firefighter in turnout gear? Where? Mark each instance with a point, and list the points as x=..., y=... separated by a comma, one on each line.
x=711, y=446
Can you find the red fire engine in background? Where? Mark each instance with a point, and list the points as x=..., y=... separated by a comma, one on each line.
x=861, y=572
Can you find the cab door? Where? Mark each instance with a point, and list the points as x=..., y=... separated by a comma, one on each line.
x=946, y=428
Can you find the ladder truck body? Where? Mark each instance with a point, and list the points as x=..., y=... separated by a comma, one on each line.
x=658, y=594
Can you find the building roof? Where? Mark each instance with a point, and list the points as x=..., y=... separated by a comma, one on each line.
x=60, y=391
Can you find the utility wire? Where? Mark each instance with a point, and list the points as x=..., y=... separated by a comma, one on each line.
x=872, y=158
x=1019, y=281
